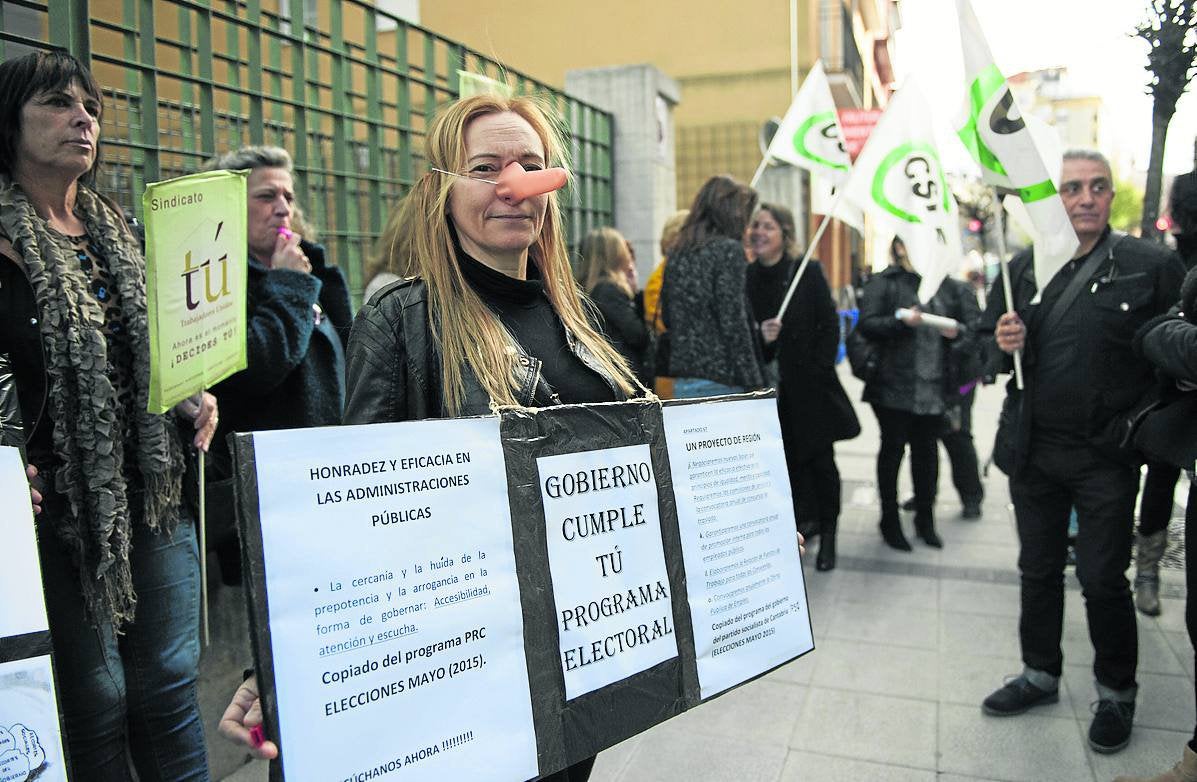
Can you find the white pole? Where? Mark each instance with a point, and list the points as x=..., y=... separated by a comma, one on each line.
x=1005, y=266
x=203, y=543
x=759, y=170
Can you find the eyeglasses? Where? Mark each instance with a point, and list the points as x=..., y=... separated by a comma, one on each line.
x=1097, y=187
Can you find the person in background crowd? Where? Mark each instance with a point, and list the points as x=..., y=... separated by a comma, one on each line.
x=119, y=565
x=1170, y=344
x=815, y=411
x=1061, y=440
x=1159, y=486
x=907, y=393
x=298, y=320
x=385, y=262
x=715, y=349
x=492, y=316
x=962, y=372
x=662, y=383
x=607, y=272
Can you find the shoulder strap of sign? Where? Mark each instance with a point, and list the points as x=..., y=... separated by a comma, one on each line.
x=1081, y=279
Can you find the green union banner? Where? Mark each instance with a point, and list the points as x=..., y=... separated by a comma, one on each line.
x=196, y=250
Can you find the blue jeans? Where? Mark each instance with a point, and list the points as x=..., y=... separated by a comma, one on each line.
x=136, y=690
x=693, y=387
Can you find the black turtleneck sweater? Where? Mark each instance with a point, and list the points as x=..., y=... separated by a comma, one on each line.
x=524, y=309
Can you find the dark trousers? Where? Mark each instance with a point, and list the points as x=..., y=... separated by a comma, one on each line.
x=816, y=486
x=1056, y=478
x=1155, y=503
x=958, y=442
x=898, y=428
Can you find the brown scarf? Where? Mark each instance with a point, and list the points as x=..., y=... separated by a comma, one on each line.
x=96, y=525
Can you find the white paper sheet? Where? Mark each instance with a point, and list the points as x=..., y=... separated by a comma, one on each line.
x=20, y=572
x=739, y=544
x=30, y=743
x=397, y=632
x=610, y=586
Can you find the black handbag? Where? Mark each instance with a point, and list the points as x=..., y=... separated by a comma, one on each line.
x=1005, y=441
x=1167, y=432
x=864, y=355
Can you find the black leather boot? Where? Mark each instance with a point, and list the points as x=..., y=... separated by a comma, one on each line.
x=891, y=531
x=826, y=558
x=924, y=527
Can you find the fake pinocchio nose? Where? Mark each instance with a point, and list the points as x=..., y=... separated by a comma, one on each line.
x=515, y=184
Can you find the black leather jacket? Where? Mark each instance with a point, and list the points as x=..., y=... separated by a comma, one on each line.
x=1140, y=281
x=393, y=370
x=21, y=340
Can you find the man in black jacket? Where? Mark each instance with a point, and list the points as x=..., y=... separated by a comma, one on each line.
x=1061, y=442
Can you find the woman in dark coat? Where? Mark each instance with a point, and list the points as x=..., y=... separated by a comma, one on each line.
x=814, y=410
x=607, y=272
x=907, y=393
x=298, y=318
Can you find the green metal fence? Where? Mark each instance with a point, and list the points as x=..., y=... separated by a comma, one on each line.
x=348, y=89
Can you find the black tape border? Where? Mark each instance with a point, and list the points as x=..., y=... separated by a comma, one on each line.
x=253, y=568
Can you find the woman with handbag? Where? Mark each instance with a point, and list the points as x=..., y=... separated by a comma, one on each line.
x=814, y=410
x=906, y=393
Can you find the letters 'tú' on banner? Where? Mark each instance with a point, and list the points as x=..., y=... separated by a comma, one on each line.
x=196, y=276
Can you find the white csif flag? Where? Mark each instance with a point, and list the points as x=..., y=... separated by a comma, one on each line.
x=899, y=181
x=809, y=135
x=999, y=139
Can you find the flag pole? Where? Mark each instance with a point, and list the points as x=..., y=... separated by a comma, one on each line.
x=203, y=539
x=810, y=248
x=759, y=170
x=1005, y=266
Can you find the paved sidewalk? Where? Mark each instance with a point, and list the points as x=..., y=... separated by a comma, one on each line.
x=907, y=647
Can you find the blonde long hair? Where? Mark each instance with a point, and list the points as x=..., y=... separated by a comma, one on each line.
x=465, y=330
x=603, y=257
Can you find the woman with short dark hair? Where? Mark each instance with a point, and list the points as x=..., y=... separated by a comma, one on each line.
x=119, y=564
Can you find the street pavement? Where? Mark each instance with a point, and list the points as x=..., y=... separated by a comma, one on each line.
x=907, y=646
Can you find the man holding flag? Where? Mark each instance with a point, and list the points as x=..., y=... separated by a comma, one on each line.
x=1073, y=304
x=1060, y=441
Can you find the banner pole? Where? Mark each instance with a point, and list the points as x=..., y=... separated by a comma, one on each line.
x=203, y=541
x=759, y=170
x=1005, y=266
x=810, y=248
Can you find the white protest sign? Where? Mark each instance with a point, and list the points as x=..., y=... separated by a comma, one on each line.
x=30, y=745
x=20, y=574
x=610, y=586
x=739, y=543
x=395, y=618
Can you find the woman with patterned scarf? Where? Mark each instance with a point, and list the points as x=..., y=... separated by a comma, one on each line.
x=119, y=560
